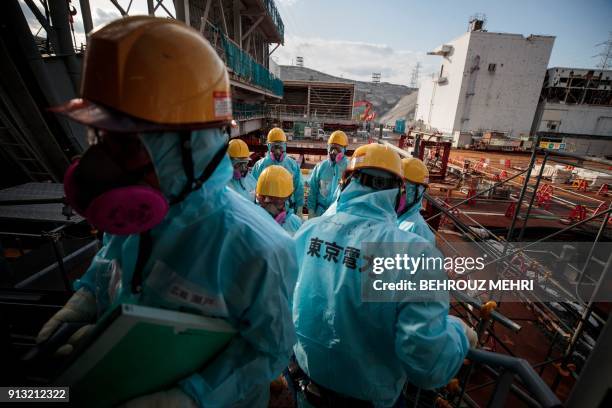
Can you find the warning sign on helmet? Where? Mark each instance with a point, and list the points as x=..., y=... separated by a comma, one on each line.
x=223, y=105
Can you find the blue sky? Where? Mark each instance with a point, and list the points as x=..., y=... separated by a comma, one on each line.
x=408, y=29
x=353, y=38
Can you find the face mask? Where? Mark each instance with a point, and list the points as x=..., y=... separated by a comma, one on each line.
x=237, y=174
x=335, y=154
x=409, y=198
x=114, y=200
x=277, y=152
x=280, y=217
x=402, y=204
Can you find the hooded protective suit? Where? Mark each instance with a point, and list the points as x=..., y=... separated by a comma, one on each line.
x=292, y=223
x=217, y=255
x=412, y=220
x=291, y=165
x=366, y=350
x=324, y=180
x=245, y=186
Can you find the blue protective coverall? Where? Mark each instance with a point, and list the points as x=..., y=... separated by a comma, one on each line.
x=229, y=259
x=288, y=163
x=367, y=350
x=245, y=186
x=292, y=223
x=412, y=220
x=324, y=180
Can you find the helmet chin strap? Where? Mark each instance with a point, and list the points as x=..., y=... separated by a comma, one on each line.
x=145, y=244
x=407, y=206
x=193, y=183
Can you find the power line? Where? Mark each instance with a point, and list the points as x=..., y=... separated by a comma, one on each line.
x=606, y=55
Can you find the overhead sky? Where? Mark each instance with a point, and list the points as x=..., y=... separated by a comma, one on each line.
x=353, y=38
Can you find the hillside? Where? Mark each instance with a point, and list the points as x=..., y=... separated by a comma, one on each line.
x=384, y=96
x=403, y=109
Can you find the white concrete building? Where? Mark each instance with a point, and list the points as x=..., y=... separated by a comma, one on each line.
x=487, y=82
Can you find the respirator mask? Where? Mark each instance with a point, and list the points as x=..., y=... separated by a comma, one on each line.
x=114, y=186
x=277, y=151
x=335, y=152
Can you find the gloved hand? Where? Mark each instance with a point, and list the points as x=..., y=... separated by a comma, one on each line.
x=81, y=307
x=470, y=334
x=172, y=398
x=311, y=215
x=78, y=336
x=299, y=211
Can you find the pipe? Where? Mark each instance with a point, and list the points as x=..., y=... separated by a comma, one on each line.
x=576, y=156
x=495, y=315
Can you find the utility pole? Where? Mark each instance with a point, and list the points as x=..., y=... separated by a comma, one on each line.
x=414, y=77
x=606, y=55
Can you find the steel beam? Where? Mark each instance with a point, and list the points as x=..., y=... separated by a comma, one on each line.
x=86, y=13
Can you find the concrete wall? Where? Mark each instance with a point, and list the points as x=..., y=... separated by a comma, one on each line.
x=504, y=99
x=439, y=103
x=476, y=99
x=588, y=147
x=581, y=119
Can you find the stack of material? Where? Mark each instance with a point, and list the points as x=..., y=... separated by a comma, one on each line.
x=557, y=173
x=561, y=175
x=594, y=178
x=548, y=172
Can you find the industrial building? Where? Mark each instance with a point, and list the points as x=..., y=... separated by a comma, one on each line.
x=575, y=111
x=488, y=81
x=325, y=105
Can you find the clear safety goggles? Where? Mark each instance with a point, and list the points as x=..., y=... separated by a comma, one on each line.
x=126, y=149
x=241, y=165
x=334, y=148
x=275, y=201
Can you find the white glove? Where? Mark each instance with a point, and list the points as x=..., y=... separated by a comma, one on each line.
x=299, y=211
x=311, y=214
x=172, y=398
x=470, y=334
x=78, y=336
x=81, y=307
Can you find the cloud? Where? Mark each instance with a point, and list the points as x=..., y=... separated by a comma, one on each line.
x=355, y=60
x=286, y=2
x=102, y=16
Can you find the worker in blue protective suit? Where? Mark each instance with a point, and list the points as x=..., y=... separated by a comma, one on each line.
x=242, y=180
x=277, y=154
x=409, y=218
x=176, y=236
x=326, y=175
x=274, y=190
x=352, y=352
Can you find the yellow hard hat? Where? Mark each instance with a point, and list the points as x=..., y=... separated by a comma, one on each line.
x=338, y=137
x=153, y=73
x=238, y=149
x=275, y=181
x=376, y=156
x=276, y=135
x=415, y=171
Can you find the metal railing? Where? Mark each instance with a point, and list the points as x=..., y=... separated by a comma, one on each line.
x=511, y=368
x=276, y=18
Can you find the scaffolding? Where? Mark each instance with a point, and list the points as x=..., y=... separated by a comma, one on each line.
x=572, y=323
x=312, y=101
